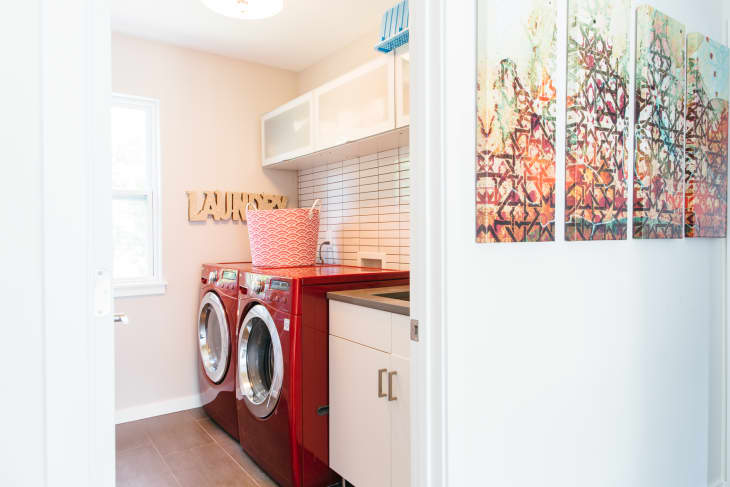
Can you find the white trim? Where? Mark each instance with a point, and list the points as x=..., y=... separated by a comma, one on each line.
x=159, y=408
x=428, y=253
x=718, y=483
x=125, y=289
x=726, y=339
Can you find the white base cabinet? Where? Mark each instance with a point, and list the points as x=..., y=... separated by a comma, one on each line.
x=369, y=396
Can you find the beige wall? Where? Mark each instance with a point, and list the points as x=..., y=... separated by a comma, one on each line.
x=210, y=139
x=338, y=63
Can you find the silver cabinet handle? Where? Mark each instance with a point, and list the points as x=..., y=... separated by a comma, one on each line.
x=121, y=319
x=391, y=397
x=380, y=382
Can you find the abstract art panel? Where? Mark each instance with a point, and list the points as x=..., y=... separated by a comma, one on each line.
x=659, y=126
x=596, y=192
x=516, y=108
x=705, y=213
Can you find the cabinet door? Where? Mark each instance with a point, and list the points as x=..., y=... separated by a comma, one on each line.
x=402, y=87
x=400, y=414
x=288, y=131
x=356, y=105
x=360, y=436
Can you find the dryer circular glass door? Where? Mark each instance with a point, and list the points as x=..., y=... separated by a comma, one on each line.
x=213, y=339
x=260, y=362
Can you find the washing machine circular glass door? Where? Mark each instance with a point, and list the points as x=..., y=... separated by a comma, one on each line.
x=260, y=362
x=213, y=339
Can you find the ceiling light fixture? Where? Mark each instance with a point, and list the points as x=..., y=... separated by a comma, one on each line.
x=245, y=9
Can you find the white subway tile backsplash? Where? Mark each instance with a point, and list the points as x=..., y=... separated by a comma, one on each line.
x=350, y=162
x=368, y=218
x=368, y=172
x=364, y=166
x=386, y=161
x=369, y=157
x=365, y=206
x=369, y=180
x=368, y=226
x=371, y=210
x=393, y=176
x=388, y=225
x=368, y=187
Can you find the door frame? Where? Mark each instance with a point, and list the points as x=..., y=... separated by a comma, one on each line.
x=75, y=97
x=428, y=249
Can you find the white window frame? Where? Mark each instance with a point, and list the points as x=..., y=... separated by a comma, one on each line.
x=155, y=284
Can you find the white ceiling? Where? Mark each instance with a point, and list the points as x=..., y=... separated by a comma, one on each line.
x=302, y=34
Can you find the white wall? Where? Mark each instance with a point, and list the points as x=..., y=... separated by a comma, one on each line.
x=21, y=250
x=572, y=364
x=210, y=108
x=344, y=59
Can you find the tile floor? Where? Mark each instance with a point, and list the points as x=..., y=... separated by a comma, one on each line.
x=183, y=449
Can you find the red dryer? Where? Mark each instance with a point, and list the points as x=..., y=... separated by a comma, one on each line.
x=282, y=366
x=216, y=338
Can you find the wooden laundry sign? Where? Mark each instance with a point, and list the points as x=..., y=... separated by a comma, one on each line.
x=229, y=205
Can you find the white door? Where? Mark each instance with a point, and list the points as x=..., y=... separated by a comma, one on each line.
x=58, y=423
x=360, y=437
x=76, y=95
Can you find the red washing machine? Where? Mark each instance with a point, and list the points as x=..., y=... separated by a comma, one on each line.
x=282, y=370
x=216, y=327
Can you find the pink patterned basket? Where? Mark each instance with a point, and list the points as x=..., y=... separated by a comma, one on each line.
x=283, y=238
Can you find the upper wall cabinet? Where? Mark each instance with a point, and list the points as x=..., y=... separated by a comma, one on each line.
x=288, y=131
x=402, y=87
x=356, y=105
x=366, y=105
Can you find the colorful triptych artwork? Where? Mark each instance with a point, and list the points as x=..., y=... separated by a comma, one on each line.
x=680, y=159
x=516, y=116
x=597, y=120
x=707, y=138
x=659, y=126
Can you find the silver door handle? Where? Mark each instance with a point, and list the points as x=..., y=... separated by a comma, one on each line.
x=121, y=319
x=380, y=382
x=391, y=397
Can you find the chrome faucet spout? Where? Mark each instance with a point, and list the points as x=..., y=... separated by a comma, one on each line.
x=321, y=259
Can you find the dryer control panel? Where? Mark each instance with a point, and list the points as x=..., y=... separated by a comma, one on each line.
x=274, y=291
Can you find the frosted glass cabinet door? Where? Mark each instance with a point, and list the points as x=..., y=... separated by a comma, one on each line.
x=287, y=132
x=402, y=87
x=356, y=105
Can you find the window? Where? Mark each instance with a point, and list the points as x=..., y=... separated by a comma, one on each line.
x=136, y=196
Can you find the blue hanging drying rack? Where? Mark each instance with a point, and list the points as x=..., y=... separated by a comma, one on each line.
x=394, y=28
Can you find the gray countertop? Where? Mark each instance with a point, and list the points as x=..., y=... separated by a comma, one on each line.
x=370, y=299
